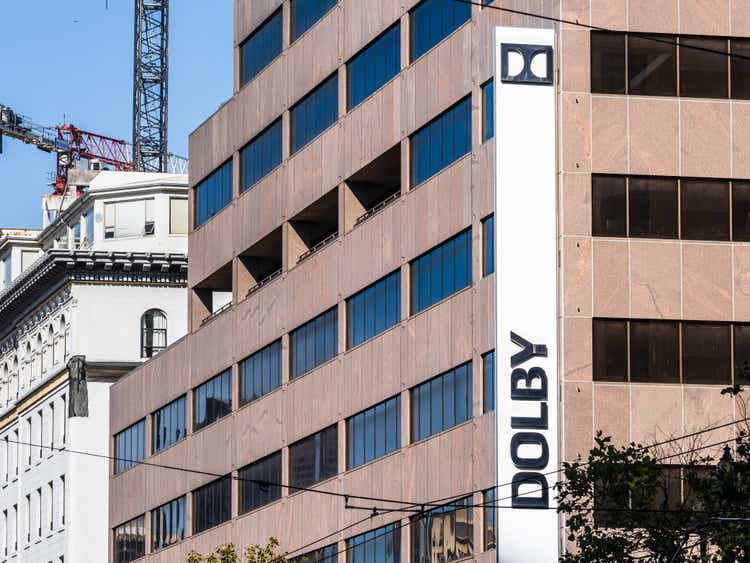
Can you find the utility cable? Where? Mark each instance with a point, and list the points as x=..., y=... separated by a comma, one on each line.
x=576, y=23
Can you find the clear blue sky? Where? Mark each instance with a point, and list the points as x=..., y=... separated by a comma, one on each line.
x=73, y=59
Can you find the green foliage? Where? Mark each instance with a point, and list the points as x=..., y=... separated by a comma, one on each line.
x=253, y=554
x=621, y=504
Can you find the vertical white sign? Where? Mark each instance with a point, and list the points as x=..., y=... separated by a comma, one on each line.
x=526, y=308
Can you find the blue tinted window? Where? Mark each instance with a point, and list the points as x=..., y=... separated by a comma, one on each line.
x=314, y=342
x=442, y=141
x=327, y=554
x=315, y=112
x=434, y=20
x=263, y=46
x=130, y=446
x=441, y=403
x=441, y=272
x=213, y=193
x=254, y=493
x=168, y=524
x=212, y=399
x=305, y=13
x=314, y=458
x=260, y=156
x=488, y=238
x=382, y=545
x=212, y=504
x=489, y=381
x=488, y=102
x=260, y=373
x=168, y=425
x=374, y=432
x=374, y=309
x=375, y=65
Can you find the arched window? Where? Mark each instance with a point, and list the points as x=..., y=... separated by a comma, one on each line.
x=153, y=332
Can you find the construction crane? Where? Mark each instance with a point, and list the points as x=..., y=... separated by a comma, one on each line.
x=150, y=81
x=67, y=141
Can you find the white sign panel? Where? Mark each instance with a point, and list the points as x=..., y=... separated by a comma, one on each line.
x=526, y=308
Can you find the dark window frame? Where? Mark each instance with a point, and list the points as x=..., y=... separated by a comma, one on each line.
x=252, y=494
x=357, y=427
x=217, y=174
x=360, y=55
x=254, y=34
x=159, y=533
x=683, y=355
x=221, y=487
x=319, y=469
x=488, y=246
x=489, y=381
x=268, y=132
x=431, y=6
x=134, y=548
x=424, y=396
x=248, y=382
x=309, y=134
x=725, y=231
x=127, y=452
x=295, y=34
x=421, y=525
x=366, y=302
x=732, y=70
x=329, y=316
x=488, y=110
x=156, y=428
x=363, y=548
x=226, y=373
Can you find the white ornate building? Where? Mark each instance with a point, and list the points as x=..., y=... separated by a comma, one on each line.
x=97, y=291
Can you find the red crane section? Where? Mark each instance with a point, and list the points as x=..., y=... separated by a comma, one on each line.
x=67, y=141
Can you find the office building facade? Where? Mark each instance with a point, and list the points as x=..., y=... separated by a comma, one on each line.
x=343, y=286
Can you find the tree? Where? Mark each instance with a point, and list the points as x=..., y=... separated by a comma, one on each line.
x=623, y=504
x=228, y=554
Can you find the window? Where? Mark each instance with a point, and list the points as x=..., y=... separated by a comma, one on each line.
x=129, y=218
x=168, y=524
x=651, y=62
x=488, y=103
x=653, y=207
x=704, y=72
x=741, y=335
x=153, y=332
x=488, y=368
x=706, y=356
x=374, y=309
x=608, y=62
x=28, y=257
x=314, y=343
x=88, y=220
x=488, y=238
x=609, y=206
x=650, y=351
x=652, y=65
x=741, y=211
x=178, y=216
x=314, y=113
x=305, y=13
x=212, y=400
x=130, y=446
x=260, y=373
x=213, y=193
x=374, y=65
x=704, y=209
x=255, y=480
x=441, y=403
x=262, y=47
x=740, y=68
x=654, y=351
x=374, y=432
x=168, y=425
x=442, y=141
x=434, y=20
x=382, y=545
x=327, y=554
x=441, y=272
x=130, y=541
x=212, y=504
x=490, y=519
x=443, y=534
x=610, y=350
x=315, y=458
x=260, y=156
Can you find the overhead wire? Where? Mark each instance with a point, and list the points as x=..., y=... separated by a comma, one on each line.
x=576, y=23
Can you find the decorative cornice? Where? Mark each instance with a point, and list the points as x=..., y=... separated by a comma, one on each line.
x=56, y=267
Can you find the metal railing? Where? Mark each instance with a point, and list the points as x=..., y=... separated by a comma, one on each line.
x=378, y=207
x=318, y=247
x=265, y=281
